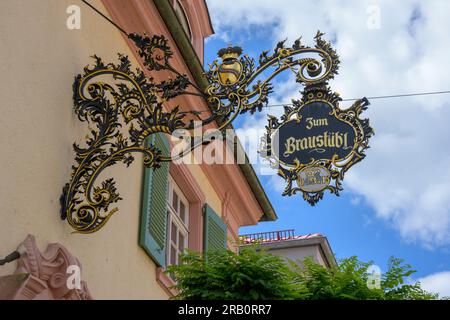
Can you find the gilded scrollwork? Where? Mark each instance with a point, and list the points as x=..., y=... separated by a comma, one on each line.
x=249, y=93
x=129, y=99
x=122, y=107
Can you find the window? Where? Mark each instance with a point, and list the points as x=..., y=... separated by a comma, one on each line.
x=177, y=224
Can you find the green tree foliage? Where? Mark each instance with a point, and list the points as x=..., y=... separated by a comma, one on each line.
x=258, y=275
x=250, y=275
x=349, y=279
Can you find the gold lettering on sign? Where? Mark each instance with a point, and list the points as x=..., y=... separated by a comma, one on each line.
x=325, y=140
x=311, y=123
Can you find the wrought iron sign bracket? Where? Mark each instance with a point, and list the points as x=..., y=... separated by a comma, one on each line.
x=123, y=107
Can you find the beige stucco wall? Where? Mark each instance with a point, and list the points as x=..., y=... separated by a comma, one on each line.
x=298, y=254
x=211, y=197
x=39, y=59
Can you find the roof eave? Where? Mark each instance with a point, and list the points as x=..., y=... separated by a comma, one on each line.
x=195, y=67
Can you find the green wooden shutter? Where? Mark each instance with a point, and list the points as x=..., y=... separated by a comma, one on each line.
x=215, y=236
x=152, y=235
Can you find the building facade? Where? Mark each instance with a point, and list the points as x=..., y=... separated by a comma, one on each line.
x=180, y=206
x=286, y=244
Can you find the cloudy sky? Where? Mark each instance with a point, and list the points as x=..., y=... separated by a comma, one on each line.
x=396, y=201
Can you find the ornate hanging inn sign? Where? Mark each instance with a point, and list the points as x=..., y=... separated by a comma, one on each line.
x=311, y=146
x=316, y=142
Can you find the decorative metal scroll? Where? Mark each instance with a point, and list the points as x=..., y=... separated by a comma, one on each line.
x=123, y=107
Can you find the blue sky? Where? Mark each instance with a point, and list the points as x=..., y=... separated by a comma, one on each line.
x=397, y=201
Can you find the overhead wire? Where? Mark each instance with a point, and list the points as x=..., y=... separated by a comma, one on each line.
x=412, y=94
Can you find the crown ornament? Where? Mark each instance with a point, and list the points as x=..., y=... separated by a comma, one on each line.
x=231, y=52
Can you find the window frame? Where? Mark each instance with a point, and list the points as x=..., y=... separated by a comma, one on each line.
x=174, y=218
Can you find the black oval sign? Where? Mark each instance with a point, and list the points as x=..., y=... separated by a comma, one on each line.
x=318, y=135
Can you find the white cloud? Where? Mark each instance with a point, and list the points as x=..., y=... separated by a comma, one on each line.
x=437, y=283
x=406, y=175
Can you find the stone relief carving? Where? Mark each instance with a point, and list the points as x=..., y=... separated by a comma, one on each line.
x=43, y=275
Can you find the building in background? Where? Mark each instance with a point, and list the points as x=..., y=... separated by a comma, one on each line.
x=195, y=206
x=286, y=244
